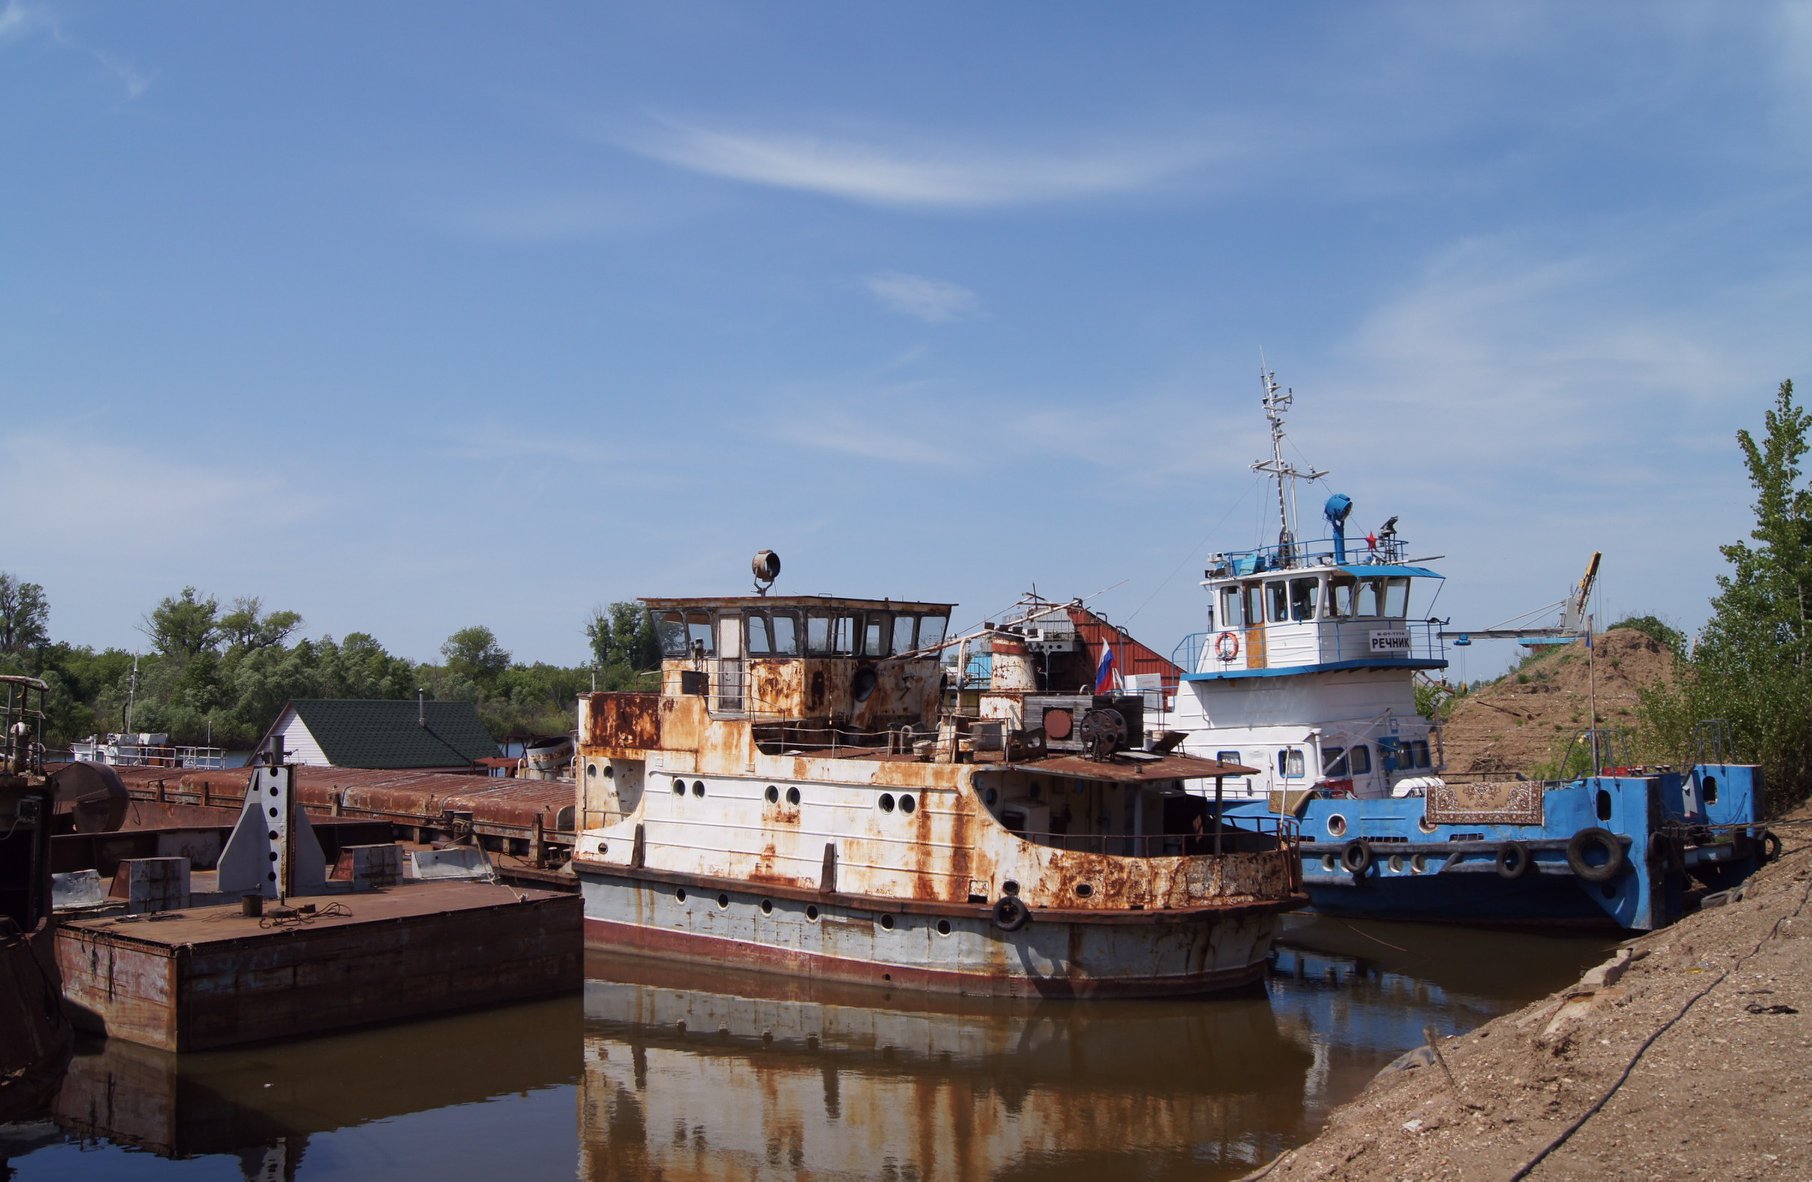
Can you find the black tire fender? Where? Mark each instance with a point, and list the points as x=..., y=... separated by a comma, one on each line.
x=1010, y=914
x=1769, y=845
x=1512, y=860
x=1356, y=857
x=1581, y=846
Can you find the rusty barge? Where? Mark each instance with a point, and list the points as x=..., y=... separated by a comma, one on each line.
x=797, y=798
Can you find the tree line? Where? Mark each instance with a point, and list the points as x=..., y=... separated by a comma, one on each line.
x=220, y=674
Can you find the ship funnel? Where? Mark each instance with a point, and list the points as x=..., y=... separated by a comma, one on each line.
x=1336, y=510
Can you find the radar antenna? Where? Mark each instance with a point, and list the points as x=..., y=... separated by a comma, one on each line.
x=1277, y=400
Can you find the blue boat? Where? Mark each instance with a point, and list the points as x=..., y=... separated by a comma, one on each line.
x=1307, y=673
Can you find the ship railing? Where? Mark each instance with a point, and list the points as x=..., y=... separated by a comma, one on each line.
x=200, y=758
x=1235, y=834
x=1386, y=550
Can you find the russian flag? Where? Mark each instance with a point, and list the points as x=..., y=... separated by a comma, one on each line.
x=1104, y=672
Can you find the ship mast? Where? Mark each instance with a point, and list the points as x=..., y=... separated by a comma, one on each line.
x=1276, y=401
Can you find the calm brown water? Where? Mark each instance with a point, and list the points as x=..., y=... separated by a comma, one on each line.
x=657, y=1072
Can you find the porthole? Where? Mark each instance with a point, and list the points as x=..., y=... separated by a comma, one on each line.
x=1336, y=825
x=943, y=927
x=679, y=787
x=907, y=805
x=698, y=787
x=603, y=849
x=887, y=802
x=1084, y=890
x=1419, y=864
x=792, y=796
x=680, y=894
x=723, y=901
x=1425, y=825
x=767, y=906
x=773, y=794
x=1009, y=887
x=273, y=812
x=811, y=913
x=887, y=923
x=1327, y=863
x=1396, y=863
x=610, y=771
x=591, y=769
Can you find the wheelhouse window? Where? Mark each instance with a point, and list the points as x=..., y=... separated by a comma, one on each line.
x=1290, y=763
x=1359, y=759
x=1230, y=617
x=1278, y=597
x=1415, y=754
x=1367, y=597
x=830, y=634
x=773, y=634
x=1396, y=597
x=874, y=635
x=1255, y=603
x=931, y=630
x=679, y=631
x=903, y=628
x=1302, y=598
x=1334, y=763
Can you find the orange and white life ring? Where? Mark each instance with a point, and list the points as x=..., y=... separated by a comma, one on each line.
x=1226, y=646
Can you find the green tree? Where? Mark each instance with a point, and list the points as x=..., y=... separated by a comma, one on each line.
x=247, y=627
x=473, y=654
x=24, y=616
x=1752, y=664
x=185, y=625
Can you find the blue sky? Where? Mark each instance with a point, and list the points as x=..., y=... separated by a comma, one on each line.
x=412, y=317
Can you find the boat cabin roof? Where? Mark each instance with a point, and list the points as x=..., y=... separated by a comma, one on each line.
x=796, y=602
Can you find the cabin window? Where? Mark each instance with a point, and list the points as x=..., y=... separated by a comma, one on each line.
x=1255, y=604
x=1230, y=617
x=1396, y=597
x=828, y=635
x=773, y=635
x=1228, y=756
x=1302, y=598
x=902, y=633
x=1366, y=597
x=680, y=632
x=874, y=636
x=1290, y=763
x=1334, y=763
x=1415, y=753
x=931, y=630
x=1278, y=596
x=1359, y=760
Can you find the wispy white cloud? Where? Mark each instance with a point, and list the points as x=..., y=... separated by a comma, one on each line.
x=141, y=503
x=19, y=20
x=934, y=301
x=928, y=173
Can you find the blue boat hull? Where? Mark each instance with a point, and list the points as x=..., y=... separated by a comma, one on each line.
x=1623, y=850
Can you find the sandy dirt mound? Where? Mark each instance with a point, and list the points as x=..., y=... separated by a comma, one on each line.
x=1528, y=717
x=1685, y=1056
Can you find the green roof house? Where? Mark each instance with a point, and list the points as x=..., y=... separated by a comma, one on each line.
x=329, y=732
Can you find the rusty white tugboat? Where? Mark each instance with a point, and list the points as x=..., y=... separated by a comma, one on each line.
x=797, y=798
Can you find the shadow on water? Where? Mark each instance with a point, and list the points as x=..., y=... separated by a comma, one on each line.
x=682, y=1073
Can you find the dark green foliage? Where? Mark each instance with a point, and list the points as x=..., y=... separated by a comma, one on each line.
x=1752, y=664
x=24, y=616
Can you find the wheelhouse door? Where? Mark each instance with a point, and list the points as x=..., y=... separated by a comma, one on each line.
x=729, y=665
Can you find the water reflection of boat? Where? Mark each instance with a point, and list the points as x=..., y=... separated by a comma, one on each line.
x=699, y=1074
